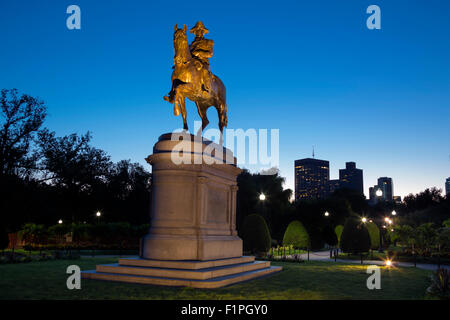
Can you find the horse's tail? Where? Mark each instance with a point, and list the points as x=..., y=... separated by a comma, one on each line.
x=223, y=99
x=225, y=117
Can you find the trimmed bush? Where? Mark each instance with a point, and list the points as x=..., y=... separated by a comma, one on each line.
x=338, y=231
x=255, y=234
x=355, y=237
x=374, y=234
x=296, y=235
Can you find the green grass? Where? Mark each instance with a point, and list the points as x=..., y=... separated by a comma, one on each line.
x=395, y=257
x=309, y=280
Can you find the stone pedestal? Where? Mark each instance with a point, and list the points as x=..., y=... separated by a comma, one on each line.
x=193, y=209
x=192, y=239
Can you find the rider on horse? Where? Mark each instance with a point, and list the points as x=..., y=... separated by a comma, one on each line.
x=202, y=50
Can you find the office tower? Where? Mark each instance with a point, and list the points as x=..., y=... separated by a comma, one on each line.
x=387, y=187
x=351, y=177
x=311, y=179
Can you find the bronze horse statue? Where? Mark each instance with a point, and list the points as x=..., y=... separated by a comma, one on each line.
x=188, y=82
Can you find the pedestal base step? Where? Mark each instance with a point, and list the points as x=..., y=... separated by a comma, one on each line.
x=196, y=274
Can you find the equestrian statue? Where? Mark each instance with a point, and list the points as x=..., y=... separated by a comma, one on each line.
x=192, y=77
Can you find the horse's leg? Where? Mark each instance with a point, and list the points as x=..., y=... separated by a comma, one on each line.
x=202, y=113
x=181, y=104
x=220, y=113
x=183, y=112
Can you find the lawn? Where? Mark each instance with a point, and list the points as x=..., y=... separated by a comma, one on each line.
x=308, y=280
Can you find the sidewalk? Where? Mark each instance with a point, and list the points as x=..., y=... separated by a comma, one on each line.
x=325, y=256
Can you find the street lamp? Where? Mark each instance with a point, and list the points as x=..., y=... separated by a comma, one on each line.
x=60, y=221
x=262, y=197
x=98, y=214
x=364, y=220
x=394, y=213
x=326, y=213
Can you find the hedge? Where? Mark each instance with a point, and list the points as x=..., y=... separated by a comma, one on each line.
x=296, y=235
x=374, y=234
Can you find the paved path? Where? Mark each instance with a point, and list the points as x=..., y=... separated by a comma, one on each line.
x=325, y=256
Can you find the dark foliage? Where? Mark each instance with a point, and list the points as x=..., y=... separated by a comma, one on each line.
x=255, y=234
x=4, y=240
x=21, y=118
x=274, y=208
x=355, y=237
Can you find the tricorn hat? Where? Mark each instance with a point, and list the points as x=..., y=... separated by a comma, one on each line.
x=199, y=28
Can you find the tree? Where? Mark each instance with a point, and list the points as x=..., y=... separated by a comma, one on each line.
x=426, y=236
x=355, y=237
x=274, y=208
x=129, y=185
x=357, y=201
x=296, y=235
x=374, y=233
x=71, y=161
x=443, y=239
x=21, y=118
x=404, y=234
x=255, y=234
x=423, y=200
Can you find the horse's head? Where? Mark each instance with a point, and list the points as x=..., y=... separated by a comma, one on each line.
x=180, y=43
x=180, y=35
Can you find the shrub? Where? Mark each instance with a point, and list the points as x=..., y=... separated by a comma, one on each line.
x=296, y=235
x=374, y=234
x=355, y=238
x=440, y=284
x=255, y=234
x=338, y=231
x=58, y=231
x=81, y=232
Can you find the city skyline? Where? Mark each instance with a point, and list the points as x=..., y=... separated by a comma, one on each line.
x=378, y=97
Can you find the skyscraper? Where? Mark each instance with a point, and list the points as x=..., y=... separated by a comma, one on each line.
x=387, y=187
x=447, y=186
x=311, y=179
x=351, y=177
x=383, y=191
x=334, y=185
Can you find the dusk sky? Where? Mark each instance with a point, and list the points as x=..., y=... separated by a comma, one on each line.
x=311, y=69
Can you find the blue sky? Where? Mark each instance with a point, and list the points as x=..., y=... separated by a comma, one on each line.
x=308, y=68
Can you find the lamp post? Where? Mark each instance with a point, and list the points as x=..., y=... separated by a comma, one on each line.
x=387, y=222
x=262, y=199
x=98, y=215
x=60, y=221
